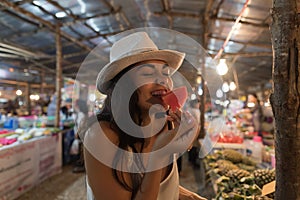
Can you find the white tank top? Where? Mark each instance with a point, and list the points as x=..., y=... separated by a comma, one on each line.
x=169, y=188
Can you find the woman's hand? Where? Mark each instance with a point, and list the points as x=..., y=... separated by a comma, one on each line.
x=185, y=194
x=180, y=137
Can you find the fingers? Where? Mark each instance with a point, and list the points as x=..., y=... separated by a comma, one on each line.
x=175, y=116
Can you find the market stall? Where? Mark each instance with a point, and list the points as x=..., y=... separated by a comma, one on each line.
x=28, y=163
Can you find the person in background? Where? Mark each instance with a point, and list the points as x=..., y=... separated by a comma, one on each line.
x=81, y=113
x=36, y=109
x=134, y=170
x=11, y=107
x=255, y=108
x=193, y=153
x=52, y=106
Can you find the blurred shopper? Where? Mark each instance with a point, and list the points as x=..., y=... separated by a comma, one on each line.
x=80, y=114
x=11, y=108
x=52, y=106
x=253, y=104
x=193, y=154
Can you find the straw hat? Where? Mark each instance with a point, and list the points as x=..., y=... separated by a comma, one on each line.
x=132, y=49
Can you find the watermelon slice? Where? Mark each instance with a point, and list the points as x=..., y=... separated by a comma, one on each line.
x=176, y=98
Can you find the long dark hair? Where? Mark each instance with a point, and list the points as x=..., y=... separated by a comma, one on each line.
x=126, y=141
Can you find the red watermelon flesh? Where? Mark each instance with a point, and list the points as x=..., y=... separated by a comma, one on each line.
x=176, y=98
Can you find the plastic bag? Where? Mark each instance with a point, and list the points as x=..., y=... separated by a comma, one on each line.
x=74, y=150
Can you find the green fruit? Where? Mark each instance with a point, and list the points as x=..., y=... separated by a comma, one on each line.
x=233, y=155
x=263, y=176
x=248, y=168
x=224, y=166
x=237, y=174
x=248, y=161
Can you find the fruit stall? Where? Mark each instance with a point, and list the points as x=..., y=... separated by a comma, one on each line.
x=29, y=161
x=30, y=152
x=235, y=176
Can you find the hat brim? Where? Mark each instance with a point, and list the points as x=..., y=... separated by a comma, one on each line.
x=173, y=58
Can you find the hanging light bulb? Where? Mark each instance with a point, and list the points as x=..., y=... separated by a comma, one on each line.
x=222, y=67
x=225, y=87
x=193, y=96
x=200, y=91
x=199, y=79
x=219, y=93
x=19, y=92
x=232, y=86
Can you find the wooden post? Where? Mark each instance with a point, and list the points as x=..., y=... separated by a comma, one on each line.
x=236, y=80
x=42, y=76
x=203, y=71
x=285, y=99
x=58, y=75
x=28, y=101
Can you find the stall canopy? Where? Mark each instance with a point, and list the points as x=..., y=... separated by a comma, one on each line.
x=237, y=30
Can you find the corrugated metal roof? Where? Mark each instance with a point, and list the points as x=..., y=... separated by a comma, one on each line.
x=27, y=36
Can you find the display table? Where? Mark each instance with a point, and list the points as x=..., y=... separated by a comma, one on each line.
x=241, y=147
x=24, y=165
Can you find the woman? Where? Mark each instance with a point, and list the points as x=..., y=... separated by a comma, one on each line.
x=81, y=113
x=126, y=160
x=253, y=103
x=193, y=154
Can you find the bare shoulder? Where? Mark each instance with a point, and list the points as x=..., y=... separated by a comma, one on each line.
x=103, y=128
x=99, y=151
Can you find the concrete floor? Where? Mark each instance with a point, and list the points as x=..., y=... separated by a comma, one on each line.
x=70, y=186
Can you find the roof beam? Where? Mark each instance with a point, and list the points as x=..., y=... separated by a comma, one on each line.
x=269, y=46
x=263, y=25
x=115, y=11
x=177, y=14
x=245, y=54
x=51, y=26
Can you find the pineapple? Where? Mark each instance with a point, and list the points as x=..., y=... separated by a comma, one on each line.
x=224, y=166
x=236, y=174
x=262, y=198
x=248, y=168
x=232, y=155
x=248, y=161
x=263, y=176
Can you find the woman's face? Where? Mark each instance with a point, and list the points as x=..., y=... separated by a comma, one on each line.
x=251, y=99
x=154, y=80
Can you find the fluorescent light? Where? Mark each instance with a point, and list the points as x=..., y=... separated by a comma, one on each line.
x=83, y=6
x=60, y=14
x=38, y=3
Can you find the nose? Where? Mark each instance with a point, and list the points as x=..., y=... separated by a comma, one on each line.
x=162, y=80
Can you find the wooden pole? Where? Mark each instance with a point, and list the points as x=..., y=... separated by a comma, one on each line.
x=203, y=71
x=28, y=101
x=58, y=74
x=42, y=76
x=285, y=99
x=232, y=30
x=236, y=80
